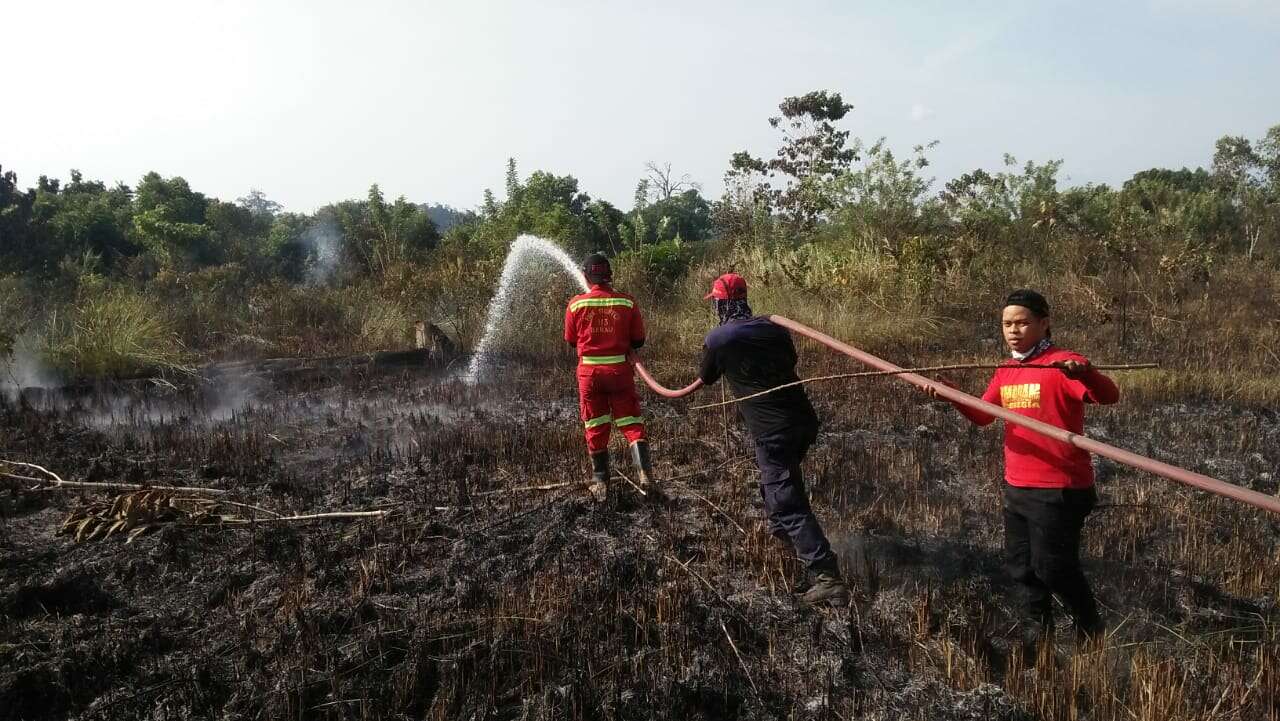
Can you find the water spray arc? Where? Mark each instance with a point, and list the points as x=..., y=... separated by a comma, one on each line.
x=525, y=249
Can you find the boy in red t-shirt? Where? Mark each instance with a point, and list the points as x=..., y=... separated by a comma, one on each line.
x=1049, y=484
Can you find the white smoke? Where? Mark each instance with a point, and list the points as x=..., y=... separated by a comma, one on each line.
x=323, y=241
x=24, y=368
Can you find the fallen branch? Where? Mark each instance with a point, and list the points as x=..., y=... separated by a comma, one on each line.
x=718, y=509
x=633, y=485
x=335, y=515
x=129, y=487
x=59, y=482
x=42, y=469
x=139, y=512
x=521, y=489
x=734, y=646
x=925, y=369
x=711, y=588
x=260, y=509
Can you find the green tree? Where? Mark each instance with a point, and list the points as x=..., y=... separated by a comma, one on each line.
x=169, y=221
x=1250, y=176
x=239, y=231
x=550, y=206
x=258, y=203
x=381, y=237
x=286, y=251
x=489, y=208
x=16, y=209
x=887, y=200
x=81, y=219
x=605, y=225
x=812, y=155
x=686, y=215
x=1006, y=204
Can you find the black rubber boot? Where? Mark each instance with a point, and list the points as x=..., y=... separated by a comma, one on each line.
x=600, y=475
x=644, y=470
x=1090, y=628
x=828, y=587
x=1036, y=629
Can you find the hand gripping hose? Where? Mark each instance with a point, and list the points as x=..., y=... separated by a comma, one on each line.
x=1181, y=475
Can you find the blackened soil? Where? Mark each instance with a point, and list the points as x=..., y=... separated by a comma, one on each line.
x=475, y=600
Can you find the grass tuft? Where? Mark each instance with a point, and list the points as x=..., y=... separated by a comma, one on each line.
x=111, y=333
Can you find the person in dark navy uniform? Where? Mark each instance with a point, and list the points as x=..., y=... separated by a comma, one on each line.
x=754, y=354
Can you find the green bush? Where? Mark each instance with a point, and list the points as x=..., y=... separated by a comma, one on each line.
x=16, y=307
x=656, y=269
x=113, y=332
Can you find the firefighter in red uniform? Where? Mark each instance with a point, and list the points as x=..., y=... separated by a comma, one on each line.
x=605, y=325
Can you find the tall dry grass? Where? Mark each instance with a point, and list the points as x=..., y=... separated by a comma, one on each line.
x=113, y=332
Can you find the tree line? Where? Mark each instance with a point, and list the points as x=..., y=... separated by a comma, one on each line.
x=163, y=224
x=819, y=184
x=824, y=210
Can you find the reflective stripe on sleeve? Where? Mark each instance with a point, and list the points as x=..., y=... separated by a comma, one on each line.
x=600, y=303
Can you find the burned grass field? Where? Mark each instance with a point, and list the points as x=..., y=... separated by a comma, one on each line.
x=492, y=587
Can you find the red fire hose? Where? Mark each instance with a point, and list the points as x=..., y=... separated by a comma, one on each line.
x=663, y=390
x=1181, y=475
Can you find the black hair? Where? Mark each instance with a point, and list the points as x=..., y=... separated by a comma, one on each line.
x=1029, y=299
x=1032, y=301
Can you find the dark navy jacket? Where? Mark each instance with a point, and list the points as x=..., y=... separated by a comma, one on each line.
x=755, y=355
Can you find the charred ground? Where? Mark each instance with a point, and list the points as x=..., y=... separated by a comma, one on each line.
x=472, y=600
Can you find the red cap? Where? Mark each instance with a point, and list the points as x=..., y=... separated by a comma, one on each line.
x=729, y=286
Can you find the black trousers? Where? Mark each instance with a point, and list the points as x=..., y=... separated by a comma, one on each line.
x=1042, y=542
x=786, y=500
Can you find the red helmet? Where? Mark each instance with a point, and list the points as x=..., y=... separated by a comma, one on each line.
x=729, y=286
x=596, y=268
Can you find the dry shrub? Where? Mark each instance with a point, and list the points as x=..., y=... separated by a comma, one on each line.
x=1235, y=387
x=300, y=320
x=207, y=306
x=113, y=332
x=453, y=290
x=383, y=325
x=849, y=295
x=16, y=309
x=314, y=321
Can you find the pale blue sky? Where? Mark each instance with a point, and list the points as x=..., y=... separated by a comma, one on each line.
x=313, y=101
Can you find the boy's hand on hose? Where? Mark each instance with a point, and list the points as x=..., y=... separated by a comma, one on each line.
x=933, y=393
x=1075, y=370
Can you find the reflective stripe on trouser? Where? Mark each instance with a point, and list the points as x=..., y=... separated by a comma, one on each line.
x=607, y=397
